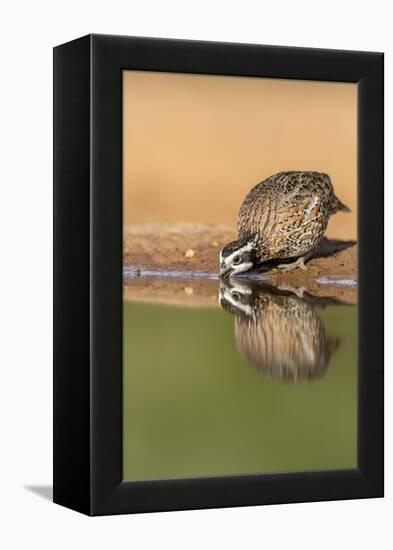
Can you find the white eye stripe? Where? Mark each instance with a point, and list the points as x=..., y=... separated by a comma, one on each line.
x=247, y=309
x=240, y=268
x=246, y=248
x=240, y=289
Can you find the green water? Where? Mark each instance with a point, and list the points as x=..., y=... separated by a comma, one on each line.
x=195, y=406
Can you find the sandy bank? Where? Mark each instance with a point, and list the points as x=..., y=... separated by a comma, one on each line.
x=187, y=254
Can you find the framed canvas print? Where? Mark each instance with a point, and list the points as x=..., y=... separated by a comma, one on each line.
x=218, y=274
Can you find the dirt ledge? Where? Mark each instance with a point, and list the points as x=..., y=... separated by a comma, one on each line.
x=191, y=251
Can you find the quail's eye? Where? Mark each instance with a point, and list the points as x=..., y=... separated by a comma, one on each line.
x=236, y=260
x=236, y=296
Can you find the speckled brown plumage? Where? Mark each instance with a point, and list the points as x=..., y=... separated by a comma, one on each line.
x=277, y=332
x=287, y=214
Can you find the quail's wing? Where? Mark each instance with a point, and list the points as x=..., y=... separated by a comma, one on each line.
x=286, y=339
x=268, y=213
x=297, y=217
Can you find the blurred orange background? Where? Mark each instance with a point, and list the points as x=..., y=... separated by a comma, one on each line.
x=194, y=145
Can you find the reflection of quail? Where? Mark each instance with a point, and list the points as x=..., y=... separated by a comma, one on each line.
x=284, y=216
x=277, y=332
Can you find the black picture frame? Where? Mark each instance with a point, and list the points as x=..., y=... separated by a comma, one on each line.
x=88, y=273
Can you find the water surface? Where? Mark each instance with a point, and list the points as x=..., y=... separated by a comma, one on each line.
x=263, y=380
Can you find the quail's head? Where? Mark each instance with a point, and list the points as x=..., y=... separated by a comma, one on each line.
x=237, y=257
x=236, y=297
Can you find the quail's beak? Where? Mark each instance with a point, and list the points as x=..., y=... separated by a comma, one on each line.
x=225, y=271
x=222, y=296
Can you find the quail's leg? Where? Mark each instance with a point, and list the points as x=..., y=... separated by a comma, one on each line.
x=294, y=265
x=298, y=291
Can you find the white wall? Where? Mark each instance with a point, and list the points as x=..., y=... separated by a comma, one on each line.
x=29, y=29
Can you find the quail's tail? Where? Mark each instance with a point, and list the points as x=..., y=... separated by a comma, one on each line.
x=338, y=206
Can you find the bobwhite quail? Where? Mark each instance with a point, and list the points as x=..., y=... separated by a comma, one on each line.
x=276, y=331
x=284, y=216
